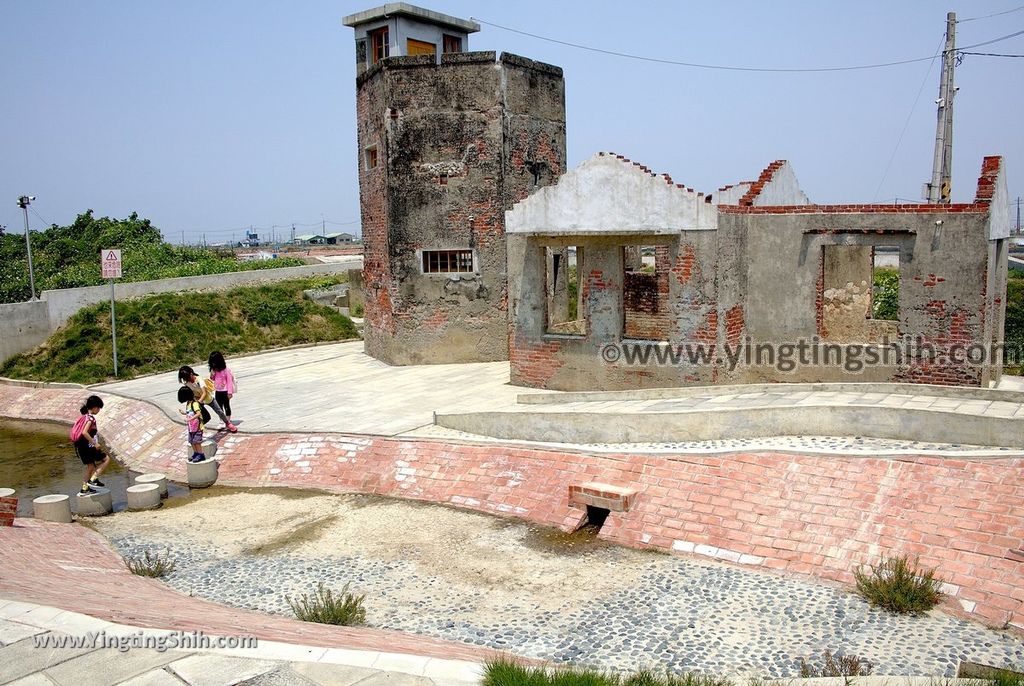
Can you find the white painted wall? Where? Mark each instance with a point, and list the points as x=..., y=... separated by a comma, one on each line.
x=783, y=189
x=606, y=194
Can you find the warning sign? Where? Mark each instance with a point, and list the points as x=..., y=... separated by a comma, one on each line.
x=110, y=261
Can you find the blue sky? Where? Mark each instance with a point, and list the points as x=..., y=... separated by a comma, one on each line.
x=210, y=117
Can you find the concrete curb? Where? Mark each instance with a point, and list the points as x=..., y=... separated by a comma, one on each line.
x=48, y=618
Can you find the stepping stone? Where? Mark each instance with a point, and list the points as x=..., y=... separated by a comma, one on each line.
x=52, y=508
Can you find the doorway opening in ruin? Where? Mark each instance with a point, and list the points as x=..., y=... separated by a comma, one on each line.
x=565, y=308
x=645, y=292
x=860, y=293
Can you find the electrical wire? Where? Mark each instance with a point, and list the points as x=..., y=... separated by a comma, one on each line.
x=910, y=115
x=721, y=67
x=987, y=16
x=988, y=54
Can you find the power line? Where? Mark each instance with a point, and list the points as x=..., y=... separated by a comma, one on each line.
x=910, y=115
x=988, y=54
x=723, y=67
x=988, y=16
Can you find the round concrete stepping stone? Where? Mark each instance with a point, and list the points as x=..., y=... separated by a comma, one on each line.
x=8, y=506
x=202, y=474
x=210, y=448
x=143, y=496
x=95, y=504
x=154, y=478
x=52, y=508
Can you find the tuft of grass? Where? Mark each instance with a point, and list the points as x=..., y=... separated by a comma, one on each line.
x=898, y=585
x=160, y=332
x=503, y=671
x=153, y=566
x=357, y=311
x=324, y=607
x=836, y=665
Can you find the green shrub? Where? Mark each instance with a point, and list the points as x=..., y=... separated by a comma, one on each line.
x=506, y=672
x=886, y=300
x=897, y=585
x=153, y=566
x=836, y=665
x=357, y=311
x=323, y=607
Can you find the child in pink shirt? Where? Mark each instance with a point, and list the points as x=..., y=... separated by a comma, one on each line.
x=223, y=384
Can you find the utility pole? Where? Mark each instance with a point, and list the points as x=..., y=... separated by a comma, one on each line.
x=942, y=162
x=1018, y=216
x=23, y=202
x=1018, y=221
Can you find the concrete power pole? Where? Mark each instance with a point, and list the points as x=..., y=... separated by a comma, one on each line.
x=942, y=163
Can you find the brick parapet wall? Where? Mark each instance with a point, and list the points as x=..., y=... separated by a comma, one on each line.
x=811, y=515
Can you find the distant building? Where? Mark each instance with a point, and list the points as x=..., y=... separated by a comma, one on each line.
x=448, y=140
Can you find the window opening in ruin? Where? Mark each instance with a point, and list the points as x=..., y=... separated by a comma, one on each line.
x=379, y=48
x=645, y=292
x=447, y=261
x=443, y=179
x=419, y=47
x=452, y=44
x=885, y=290
x=370, y=154
x=565, y=310
x=860, y=293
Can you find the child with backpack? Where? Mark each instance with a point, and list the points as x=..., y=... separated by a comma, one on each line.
x=224, y=386
x=194, y=418
x=85, y=437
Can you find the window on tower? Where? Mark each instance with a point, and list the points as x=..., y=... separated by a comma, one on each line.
x=379, y=44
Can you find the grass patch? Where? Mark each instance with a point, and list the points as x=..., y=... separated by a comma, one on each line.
x=898, y=585
x=835, y=665
x=323, y=607
x=295, y=536
x=154, y=566
x=506, y=672
x=163, y=331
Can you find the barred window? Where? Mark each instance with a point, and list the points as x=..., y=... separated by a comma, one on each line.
x=442, y=261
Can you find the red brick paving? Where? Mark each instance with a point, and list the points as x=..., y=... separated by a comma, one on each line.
x=53, y=564
x=812, y=515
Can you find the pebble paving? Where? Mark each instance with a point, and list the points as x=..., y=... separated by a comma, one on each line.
x=850, y=445
x=680, y=614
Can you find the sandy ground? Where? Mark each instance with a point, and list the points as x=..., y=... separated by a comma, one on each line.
x=508, y=560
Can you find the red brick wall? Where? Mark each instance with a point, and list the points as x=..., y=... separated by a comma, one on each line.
x=813, y=515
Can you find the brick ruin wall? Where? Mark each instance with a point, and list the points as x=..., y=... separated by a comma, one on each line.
x=461, y=141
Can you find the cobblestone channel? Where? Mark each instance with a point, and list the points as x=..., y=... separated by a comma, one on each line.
x=507, y=585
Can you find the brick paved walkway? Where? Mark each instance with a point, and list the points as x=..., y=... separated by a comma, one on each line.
x=811, y=515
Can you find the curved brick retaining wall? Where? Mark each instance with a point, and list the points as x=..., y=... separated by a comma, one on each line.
x=814, y=515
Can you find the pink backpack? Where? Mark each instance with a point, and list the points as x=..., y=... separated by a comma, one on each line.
x=79, y=427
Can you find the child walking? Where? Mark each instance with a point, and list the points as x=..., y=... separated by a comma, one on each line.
x=85, y=435
x=194, y=418
x=224, y=386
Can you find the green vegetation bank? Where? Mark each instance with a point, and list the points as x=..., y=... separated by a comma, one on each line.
x=161, y=332
x=69, y=256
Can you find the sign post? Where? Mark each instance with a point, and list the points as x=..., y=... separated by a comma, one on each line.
x=110, y=262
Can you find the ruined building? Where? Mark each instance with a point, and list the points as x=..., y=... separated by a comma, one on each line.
x=448, y=140
x=755, y=270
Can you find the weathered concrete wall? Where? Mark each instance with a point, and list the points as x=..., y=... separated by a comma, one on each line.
x=34, y=322
x=779, y=315
x=608, y=193
x=458, y=143
x=25, y=325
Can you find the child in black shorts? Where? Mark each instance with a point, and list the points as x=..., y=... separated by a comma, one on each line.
x=87, y=445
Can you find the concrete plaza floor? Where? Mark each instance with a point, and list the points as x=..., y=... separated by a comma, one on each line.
x=338, y=388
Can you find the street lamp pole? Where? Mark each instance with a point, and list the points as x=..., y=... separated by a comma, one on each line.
x=23, y=202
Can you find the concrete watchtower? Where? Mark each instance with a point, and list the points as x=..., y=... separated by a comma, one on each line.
x=448, y=140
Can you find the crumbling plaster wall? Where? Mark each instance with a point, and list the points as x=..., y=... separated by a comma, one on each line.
x=460, y=142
